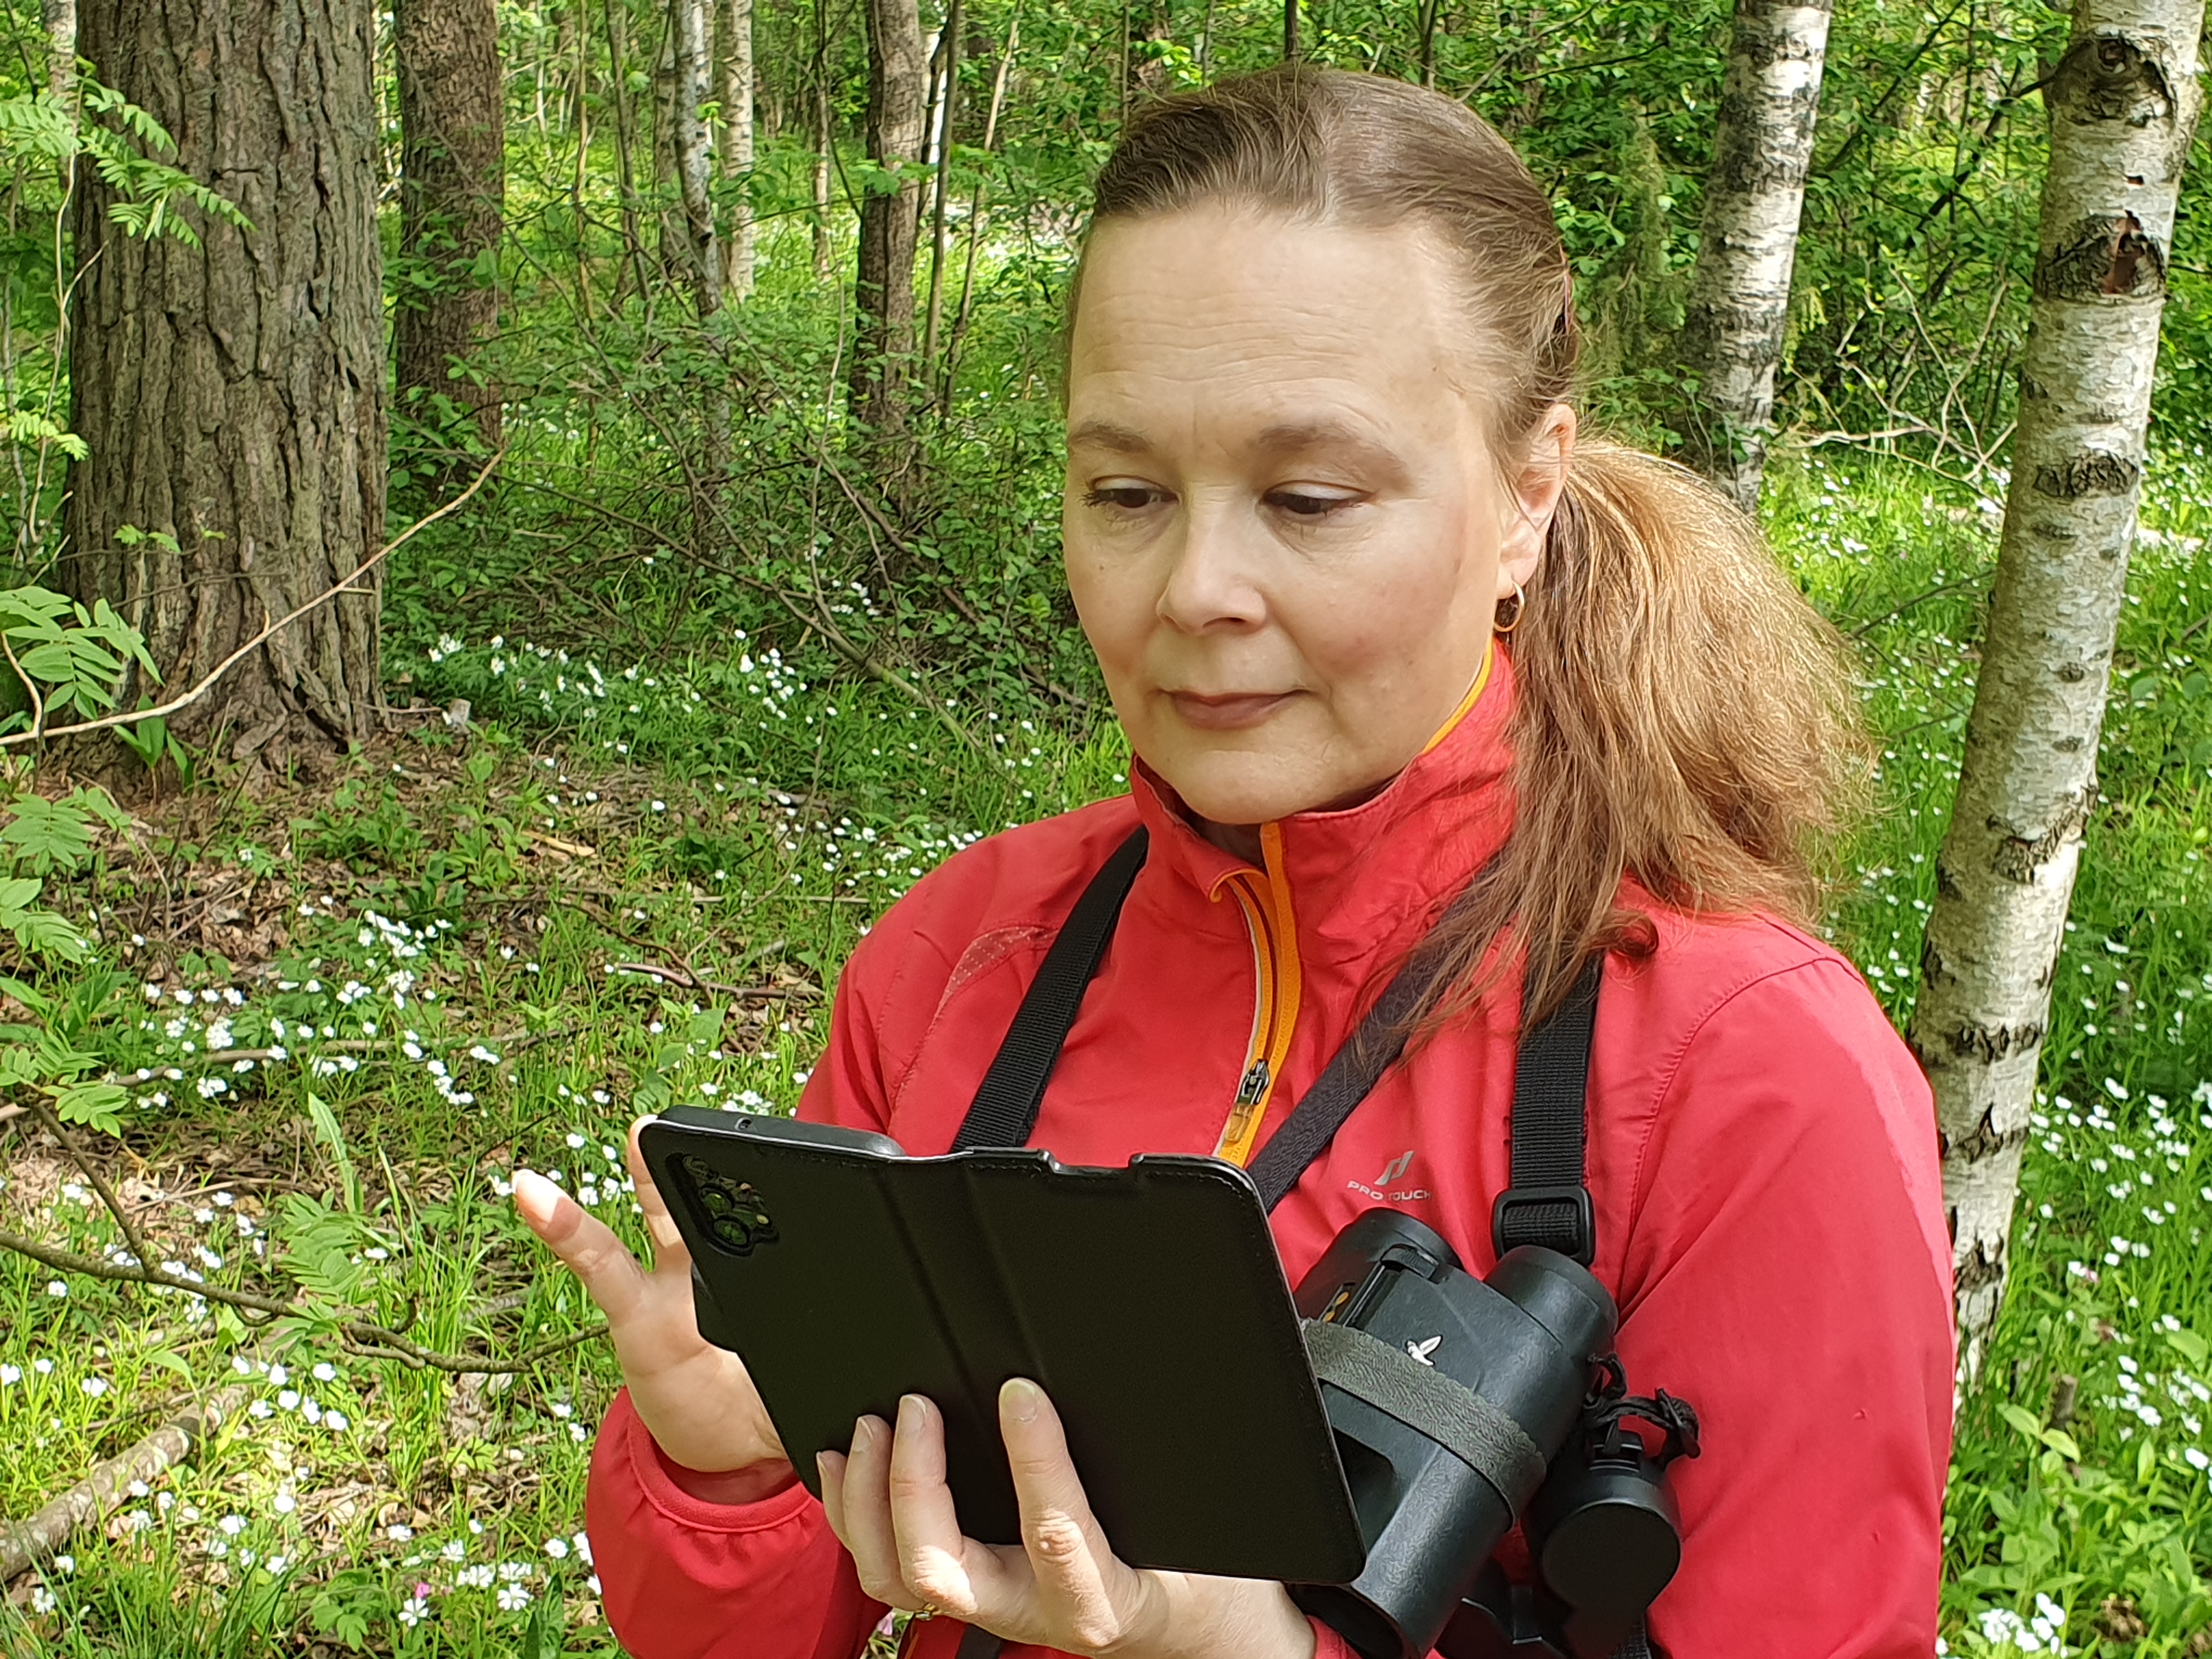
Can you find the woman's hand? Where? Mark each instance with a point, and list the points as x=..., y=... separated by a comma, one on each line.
x=1063, y=1587
x=695, y=1398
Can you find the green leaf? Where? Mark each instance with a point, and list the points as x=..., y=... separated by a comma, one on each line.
x=327, y=1130
x=95, y=1105
x=2064, y=1444
x=542, y=1638
x=2026, y=1421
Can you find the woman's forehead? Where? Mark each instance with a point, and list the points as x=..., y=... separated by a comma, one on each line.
x=1297, y=332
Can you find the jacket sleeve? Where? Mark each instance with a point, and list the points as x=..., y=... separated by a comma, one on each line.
x=682, y=1578
x=1789, y=1273
x=686, y=1579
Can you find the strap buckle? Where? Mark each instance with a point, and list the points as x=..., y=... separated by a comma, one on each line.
x=1558, y=1218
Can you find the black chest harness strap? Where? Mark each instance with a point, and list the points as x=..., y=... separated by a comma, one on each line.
x=1546, y=1204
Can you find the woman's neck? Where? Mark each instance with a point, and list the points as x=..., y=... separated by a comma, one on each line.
x=1239, y=840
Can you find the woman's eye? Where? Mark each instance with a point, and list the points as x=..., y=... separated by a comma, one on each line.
x=1127, y=497
x=1306, y=503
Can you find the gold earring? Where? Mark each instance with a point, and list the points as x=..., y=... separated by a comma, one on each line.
x=1506, y=621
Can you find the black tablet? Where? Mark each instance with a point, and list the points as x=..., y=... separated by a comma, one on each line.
x=1148, y=1302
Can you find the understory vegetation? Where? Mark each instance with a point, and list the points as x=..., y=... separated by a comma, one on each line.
x=341, y=1015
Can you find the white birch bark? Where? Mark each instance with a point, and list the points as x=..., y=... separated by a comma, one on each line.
x=1739, y=302
x=737, y=146
x=2124, y=107
x=695, y=160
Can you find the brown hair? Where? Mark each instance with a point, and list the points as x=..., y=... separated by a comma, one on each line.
x=1683, y=718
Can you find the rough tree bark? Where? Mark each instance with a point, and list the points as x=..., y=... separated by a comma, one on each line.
x=2124, y=107
x=1739, y=301
x=899, y=75
x=58, y=19
x=736, y=155
x=232, y=395
x=453, y=195
x=693, y=35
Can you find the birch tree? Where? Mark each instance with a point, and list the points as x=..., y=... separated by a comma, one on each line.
x=1739, y=301
x=898, y=73
x=692, y=42
x=737, y=146
x=2124, y=105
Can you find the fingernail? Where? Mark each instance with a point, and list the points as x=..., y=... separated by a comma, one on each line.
x=1021, y=1398
x=862, y=1434
x=822, y=1468
x=913, y=1413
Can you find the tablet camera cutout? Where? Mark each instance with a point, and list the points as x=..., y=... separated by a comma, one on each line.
x=730, y=1210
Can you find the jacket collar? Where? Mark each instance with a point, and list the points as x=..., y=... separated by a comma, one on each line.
x=1367, y=876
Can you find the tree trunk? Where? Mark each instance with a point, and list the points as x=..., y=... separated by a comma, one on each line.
x=737, y=143
x=2123, y=107
x=884, y=288
x=1740, y=291
x=693, y=38
x=232, y=395
x=941, y=184
x=618, y=90
x=58, y=18
x=452, y=194
x=825, y=137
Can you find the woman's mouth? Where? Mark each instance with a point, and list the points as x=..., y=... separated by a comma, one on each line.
x=1230, y=712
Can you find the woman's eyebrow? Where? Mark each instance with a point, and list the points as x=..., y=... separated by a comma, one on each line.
x=1291, y=437
x=1105, y=434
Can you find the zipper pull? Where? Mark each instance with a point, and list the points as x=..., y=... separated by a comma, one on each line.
x=1254, y=1084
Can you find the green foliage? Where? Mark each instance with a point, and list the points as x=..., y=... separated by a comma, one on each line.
x=74, y=659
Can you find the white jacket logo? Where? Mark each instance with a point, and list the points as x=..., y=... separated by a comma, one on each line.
x=1382, y=1192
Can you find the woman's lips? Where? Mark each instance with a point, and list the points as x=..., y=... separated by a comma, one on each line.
x=1227, y=714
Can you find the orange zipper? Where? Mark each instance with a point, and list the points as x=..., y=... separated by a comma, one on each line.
x=1264, y=896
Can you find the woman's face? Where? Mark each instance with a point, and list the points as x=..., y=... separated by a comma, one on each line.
x=1285, y=533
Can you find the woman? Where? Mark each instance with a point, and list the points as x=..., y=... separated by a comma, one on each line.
x=1381, y=632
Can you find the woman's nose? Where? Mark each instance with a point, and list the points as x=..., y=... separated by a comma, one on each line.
x=1211, y=577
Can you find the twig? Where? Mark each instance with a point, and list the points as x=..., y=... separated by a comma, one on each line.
x=677, y=976
x=378, y=1341
x=688, y=980
x=54, y=1127
x=345, y=585
x=33, y=1543
x=1866, y=628
x=38, y=703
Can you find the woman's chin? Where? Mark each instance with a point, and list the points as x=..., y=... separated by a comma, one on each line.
x=1233, y=794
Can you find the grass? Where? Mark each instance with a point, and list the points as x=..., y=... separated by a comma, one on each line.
x=436, y=943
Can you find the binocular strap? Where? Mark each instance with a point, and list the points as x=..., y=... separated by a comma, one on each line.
x=1438, y=1407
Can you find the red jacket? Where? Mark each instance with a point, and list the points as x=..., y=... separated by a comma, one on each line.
x=1762, y=1158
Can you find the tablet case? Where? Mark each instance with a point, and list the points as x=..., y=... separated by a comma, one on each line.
x=1148, y=1302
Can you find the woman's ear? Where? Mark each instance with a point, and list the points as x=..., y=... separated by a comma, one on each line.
x=1536, y=491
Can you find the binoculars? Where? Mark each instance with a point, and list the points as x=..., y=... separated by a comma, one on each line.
x=1463, y=1405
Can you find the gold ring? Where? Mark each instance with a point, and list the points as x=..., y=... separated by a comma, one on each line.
x=929, y=1610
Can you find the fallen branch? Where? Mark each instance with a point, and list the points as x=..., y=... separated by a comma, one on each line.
x=685, y=980
x=32, y=1543
x=375, y=1341
x=207, y=684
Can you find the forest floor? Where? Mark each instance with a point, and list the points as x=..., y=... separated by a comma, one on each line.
x=344, y=1016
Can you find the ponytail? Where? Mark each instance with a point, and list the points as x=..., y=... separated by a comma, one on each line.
x=1684, y=722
